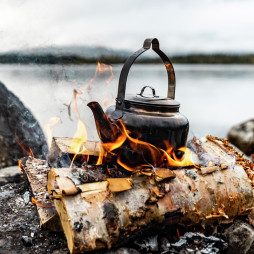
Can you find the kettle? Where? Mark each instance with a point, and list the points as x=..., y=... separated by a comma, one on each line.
x=151, y=119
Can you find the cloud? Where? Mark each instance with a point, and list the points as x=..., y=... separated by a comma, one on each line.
x=181, y=26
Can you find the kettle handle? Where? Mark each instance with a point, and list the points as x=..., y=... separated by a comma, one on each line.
x=125, y=71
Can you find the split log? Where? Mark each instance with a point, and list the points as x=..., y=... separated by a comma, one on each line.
x=61, y=147
x=95, y=216
x=36, y=172
x=68, y=181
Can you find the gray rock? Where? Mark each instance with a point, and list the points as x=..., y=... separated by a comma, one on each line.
x=2, y=242
x=123, y=251
x=240, y=237
x=27, y=241
x=26, y=197
x=60, y=252
x=242, y=136
x=10, y=175
x=180, y=244
x=17, y=122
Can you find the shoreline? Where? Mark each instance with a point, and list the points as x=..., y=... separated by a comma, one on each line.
x=78, y=60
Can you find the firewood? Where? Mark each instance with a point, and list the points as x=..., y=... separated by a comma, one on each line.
x=61, y=146
x=36, y=172
x=62, y=181
x=97, y=216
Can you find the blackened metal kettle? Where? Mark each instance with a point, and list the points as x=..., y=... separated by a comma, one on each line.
x=152, y=119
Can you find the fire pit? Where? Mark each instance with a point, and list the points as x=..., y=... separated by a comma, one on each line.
x=141, y=176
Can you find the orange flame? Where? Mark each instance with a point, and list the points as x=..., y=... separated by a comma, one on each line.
x=20, y=165
x=178, y=234
x=156, y=155
x=101, y=155
x=101, y=68
x=75, y=109
x=27, y=152
x=34, y=201
x=49, y=126
x=31, y=152
x=124, y=165
x=77, y=143
x=114, y=145
x=185, y=161
x=137, y=144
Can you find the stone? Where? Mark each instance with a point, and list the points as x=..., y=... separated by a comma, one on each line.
x=60, y=252
x=18, y=123
x=242, y=136
x=198, y=243
x=26, y=197
x=180, y=244
x=27, y=241
x=2, y=242
x=240, y=237
x=10, y=175
x=123, y=251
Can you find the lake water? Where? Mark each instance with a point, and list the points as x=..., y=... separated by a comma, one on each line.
x=213, y=97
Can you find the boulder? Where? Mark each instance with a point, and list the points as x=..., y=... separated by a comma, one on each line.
x=242, y=136
x=240, y=237
x=18, y=128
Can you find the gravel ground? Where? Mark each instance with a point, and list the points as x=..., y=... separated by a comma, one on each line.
x=20, y=226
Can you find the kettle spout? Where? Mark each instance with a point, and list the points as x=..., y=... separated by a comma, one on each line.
x=107, y=130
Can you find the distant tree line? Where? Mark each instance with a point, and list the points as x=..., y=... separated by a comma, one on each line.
x=73, y=59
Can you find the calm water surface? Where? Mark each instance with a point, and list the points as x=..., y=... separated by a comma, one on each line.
x=213, y=97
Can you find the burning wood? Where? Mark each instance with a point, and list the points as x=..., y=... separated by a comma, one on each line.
x=60, y=151
x=97, y=209
x=100, y=212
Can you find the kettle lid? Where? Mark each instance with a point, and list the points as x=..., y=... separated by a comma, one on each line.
x=153, y=102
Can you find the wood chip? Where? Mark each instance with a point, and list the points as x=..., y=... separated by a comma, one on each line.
x=163, y=173
x=119, y=184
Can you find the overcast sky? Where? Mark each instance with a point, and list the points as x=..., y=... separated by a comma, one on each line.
x=180, y=25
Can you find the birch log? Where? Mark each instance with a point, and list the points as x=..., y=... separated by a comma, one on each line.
x=96, y=216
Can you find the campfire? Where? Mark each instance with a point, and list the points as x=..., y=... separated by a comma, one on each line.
x=142, y=174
